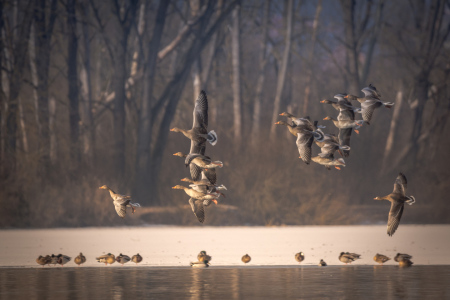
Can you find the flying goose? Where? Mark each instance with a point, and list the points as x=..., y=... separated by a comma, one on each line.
x=121, y=202
x=197, y=172
x=371, y=102
x=398, y=199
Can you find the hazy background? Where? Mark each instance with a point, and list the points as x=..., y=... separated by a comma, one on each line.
x=90, y=88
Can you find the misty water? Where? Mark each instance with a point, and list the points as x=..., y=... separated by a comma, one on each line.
x=336, y=282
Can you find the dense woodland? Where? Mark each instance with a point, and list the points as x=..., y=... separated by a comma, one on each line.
x=90, y=89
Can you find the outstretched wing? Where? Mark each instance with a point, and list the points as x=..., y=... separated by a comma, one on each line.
x=395, y=214
x=121, y=209
x=198, y=146
x=304, y=142
x=196, y=172
x=346, y=114
x=344, y=139
x=400, y=185
x=328, y=149
x=367, y=109
x=198, y=209
x=201, y=112
x=211, y=175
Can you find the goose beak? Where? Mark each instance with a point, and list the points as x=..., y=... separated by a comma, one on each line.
x=277, y=123
x=172, y=129
x=280, y=114
x=323, y=101
x=174, y=187
x=174, y=153
x=346, y=96
x=325, y=118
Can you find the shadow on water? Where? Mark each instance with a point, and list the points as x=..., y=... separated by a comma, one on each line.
x=334, y=282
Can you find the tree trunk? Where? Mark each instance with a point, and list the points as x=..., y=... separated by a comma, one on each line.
x=43, y=35
x=74, y=114
x=19, y=58
x=283, y=70
x=261, y=77
x=348, y=7
x=145, y=116
x=394, y=121
x=89, y=131
x=421, y=86
x=311, y=58
x=236, y=65
x=173, y=90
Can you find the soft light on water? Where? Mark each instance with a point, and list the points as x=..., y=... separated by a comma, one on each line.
x=333, y=282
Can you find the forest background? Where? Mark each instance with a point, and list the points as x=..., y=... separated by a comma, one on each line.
x=89, y=90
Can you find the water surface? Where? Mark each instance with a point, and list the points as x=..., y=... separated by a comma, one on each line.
x=332, y=282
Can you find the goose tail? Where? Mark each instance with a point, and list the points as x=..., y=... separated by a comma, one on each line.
x=345, y=148
x=318, y=135
x=411, y=200
x=388, y=104
x=341, y=160
x=212, y=137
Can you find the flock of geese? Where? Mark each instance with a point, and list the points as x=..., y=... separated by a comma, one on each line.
x=204, y=190
x=308, y=132
x=203, y=259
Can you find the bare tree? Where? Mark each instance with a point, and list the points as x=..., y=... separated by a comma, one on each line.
x=145, y=117
x=236, y=65
x=19, y=48
x=263, y=57
x=284, y=66
x=311, y=57
x=72, y=77
x=43, y=25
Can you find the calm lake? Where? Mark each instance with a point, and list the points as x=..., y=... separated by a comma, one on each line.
x=332, y=282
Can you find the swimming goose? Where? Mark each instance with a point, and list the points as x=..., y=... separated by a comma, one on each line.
x=300, y=257
x=322, y=263
x=80, y=259
x=346, y=257
x=398, y=199
x=405, y=263
x=107, y=259
x=401, y=256
x=380, y=258
x=136, y=258
x=198, y=134
x=371, y=103
x=63, y=259
x=199, y=264
x=345, y=124
x=44, y=260
x=121, y=202
x=123, y=259
x=246, y=259
x=202, y=256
